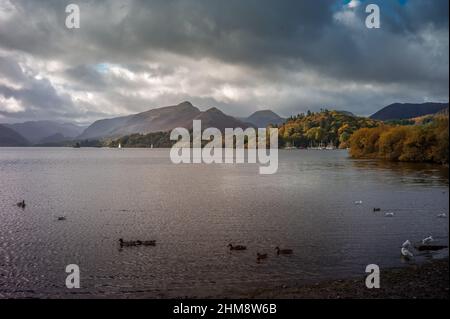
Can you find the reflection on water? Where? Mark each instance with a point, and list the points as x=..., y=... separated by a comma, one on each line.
x=195, y=211
x=408, y=173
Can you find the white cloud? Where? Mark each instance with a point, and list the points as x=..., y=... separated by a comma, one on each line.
x=10, y=105
x=353, y=4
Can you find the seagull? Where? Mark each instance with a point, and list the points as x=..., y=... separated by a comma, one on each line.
x=427, y=240
x=389, y=215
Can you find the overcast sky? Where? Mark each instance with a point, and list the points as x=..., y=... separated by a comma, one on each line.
x=237, y=55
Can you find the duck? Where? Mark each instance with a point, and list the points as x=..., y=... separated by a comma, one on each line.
x=427, y=240
x=443, y=215
x=148, y=243
x=61, y=218
x=130, y=243
x=377, y=209
x=284, y=251
x=358, y=202
x=260, y=257
x=21, y=204
x=237, y=247
x=389, y=215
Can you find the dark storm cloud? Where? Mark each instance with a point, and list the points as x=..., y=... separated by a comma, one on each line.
x=240, y=55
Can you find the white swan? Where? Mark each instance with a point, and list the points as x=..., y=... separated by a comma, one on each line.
x=427, y=240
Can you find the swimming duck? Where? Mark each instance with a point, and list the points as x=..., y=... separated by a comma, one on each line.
x=237, y=247
x=61, y=218
x=284, y=251
x=443, y=215
x=377, y=209
x=358, y=202
x=260, y=257
x=21, y=204
x=148, y=243
x=130, y=243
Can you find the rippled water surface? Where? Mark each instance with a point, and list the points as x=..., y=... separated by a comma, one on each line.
x=194, y=211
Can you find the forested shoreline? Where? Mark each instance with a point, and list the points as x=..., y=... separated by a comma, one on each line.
x=414, y=143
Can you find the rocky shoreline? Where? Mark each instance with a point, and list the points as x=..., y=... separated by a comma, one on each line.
x=426, y=281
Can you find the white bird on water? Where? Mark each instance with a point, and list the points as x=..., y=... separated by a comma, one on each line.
x=358, y=202
x=389, y=215
x=405, y=251
x=443, y=215
x=427, y=240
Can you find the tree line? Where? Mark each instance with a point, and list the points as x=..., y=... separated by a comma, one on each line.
x=418, y=143
x=324, y=127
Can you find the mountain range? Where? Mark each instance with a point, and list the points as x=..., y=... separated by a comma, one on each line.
x=41, y=132
x=167, y=118
x=9, y=137
x=264, y=118
x=160, y=120
x=404, y=111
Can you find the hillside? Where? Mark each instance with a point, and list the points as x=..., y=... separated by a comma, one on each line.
x=326, y=127
x=403, y=111
x=38, y=131
x=156, y=120
x=264, y=118
x=216, y=118
x=425, y=142
x=162, y=119
x=210, y=118
x=9, y=137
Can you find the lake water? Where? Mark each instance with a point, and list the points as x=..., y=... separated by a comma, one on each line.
x=195, y=211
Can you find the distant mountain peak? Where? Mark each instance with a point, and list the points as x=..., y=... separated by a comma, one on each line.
x=186, y=104
x=264, y=118
x=37, y=131
x=214, y=110
x=265, y=112
x=9, y=137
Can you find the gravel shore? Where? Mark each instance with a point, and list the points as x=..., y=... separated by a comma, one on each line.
x=427, y=281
